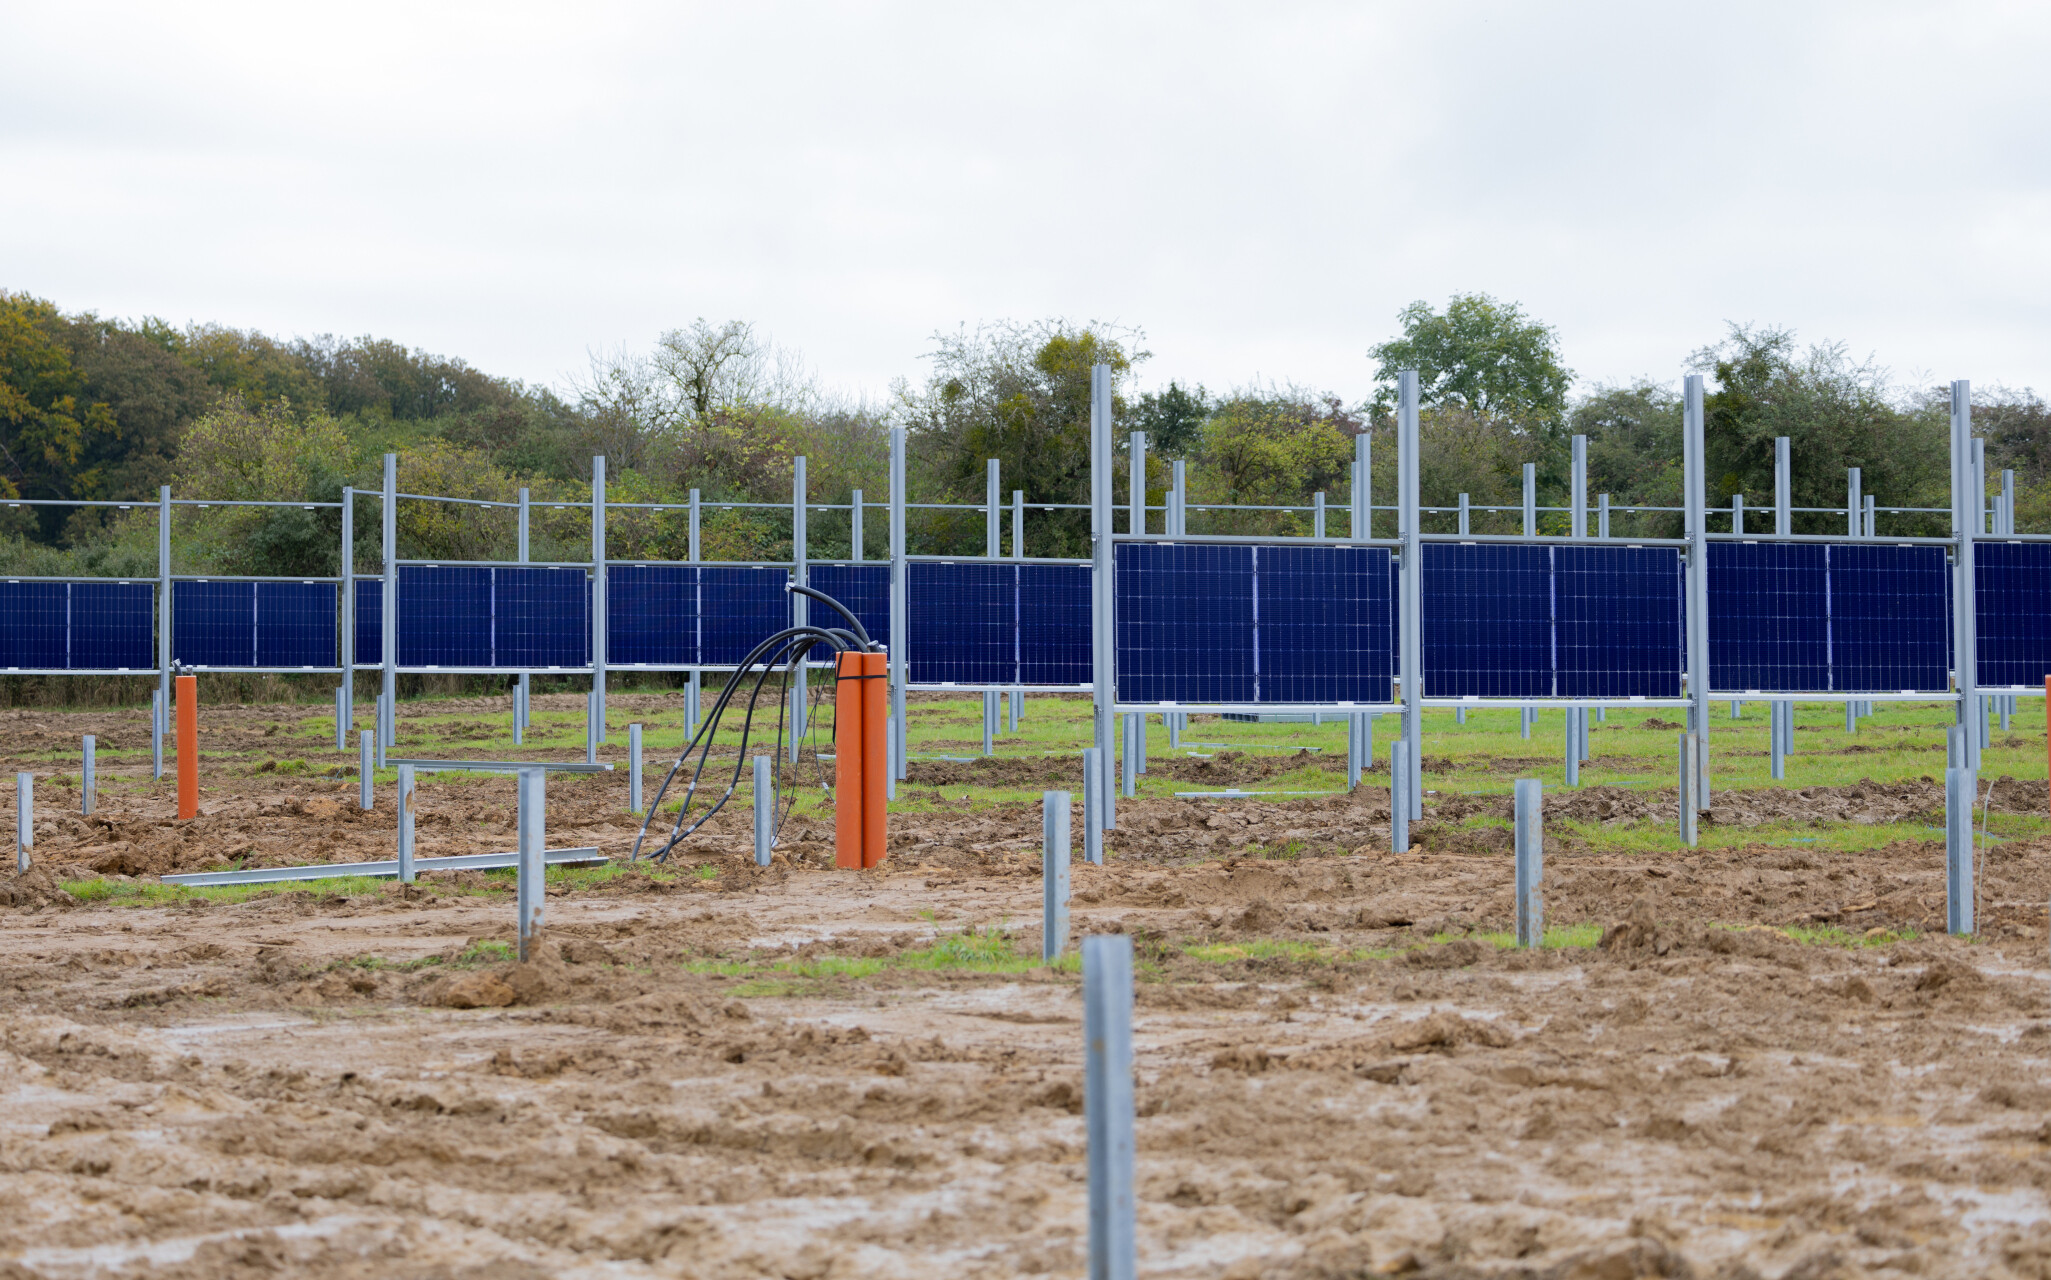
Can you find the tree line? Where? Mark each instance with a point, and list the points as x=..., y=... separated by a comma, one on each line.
x=96, y=408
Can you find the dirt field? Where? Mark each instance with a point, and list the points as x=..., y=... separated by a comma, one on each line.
x=1761, y=1058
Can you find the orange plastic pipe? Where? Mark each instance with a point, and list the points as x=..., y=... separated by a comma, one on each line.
x=875, y=758
x=847, y=761
x=188, y=747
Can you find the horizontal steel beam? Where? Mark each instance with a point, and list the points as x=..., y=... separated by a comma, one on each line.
x=497, y=766
x=387, y=867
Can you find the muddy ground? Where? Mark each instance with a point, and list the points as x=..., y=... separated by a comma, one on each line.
x=1340, y=1073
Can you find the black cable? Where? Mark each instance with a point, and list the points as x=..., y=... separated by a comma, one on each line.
x=868, y=645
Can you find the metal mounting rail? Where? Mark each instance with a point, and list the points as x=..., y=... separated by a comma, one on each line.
x=498, y=766
x=387, y=867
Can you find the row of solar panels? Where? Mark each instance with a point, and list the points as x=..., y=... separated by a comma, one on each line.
x=1196, y=622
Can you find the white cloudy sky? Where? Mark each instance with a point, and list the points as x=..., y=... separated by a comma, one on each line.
x=1259, y=187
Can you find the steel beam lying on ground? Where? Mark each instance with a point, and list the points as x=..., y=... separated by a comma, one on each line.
x=386, y=867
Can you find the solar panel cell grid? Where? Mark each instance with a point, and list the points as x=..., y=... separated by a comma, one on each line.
x=370, y=635
x=213, y=624
x=295, y=624
x=444, y=616
x=1888, y=620
x=739, y=606
x=963, y=623
x=864, y=588
x=541, y=617
x=1054, y=624
x=1322, y=624
x=2012, y=607
x=1487, y=614
x=651, y=615
x=1769, y=617
x=34, y=625
x=1617, y=622
x=1185, y=623
x=112, y=626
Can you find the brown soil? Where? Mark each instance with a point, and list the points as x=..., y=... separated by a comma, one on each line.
x=280, y=1088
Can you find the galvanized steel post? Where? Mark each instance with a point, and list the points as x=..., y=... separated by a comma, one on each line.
x=634, y=766
x=1054, y=860
x=364, y=768
x=1530, y=846
x=899, y=596
x=1964, y=508
x=1399, y=796
x=765, y=808
x=1093, y=806
x=1854, y=505
x=1530, y=499
x=1104, y=635
x=533, y=849
x=1108, y=1105
x=1688, y=777
x=1783, y=488
x=1578, y=520
x=346, y=719
x=1363, y=489
x=1602, y=517
x=405, y=824
x=694, y=683
x=87, y=777
x=24, y=819
x=598, y=605
x=388, y=611
x=163, y=623
x=1694, y=486
x=1412, y=645
x=800, y=607
x=523, y=688
x=1961, y=789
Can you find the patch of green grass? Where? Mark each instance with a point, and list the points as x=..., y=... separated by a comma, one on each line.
x=140, y=894
x=1830, y=935
x=1556, y=937
x=971, y=951
x=1255, y=949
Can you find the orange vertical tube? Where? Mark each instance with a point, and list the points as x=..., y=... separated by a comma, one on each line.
x=875, y=691
x=847, y=761
x=188, y=746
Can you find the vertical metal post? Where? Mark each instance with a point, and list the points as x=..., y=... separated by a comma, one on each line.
x=1694, y=486
x=1737, y=513
x=1851, y=716
x=765, y=808
x=1780, y=738
x=1573, y=752
x=533, y=882
x=1178, y=510
x=1961, y=789
x=88, y=777
x=2007, y=502
x=1363, y=488
x=1399, y=796
x=1103, y=634
x=24, y=819
x=523, y=690
x=1093, y=806
x=1352, y=751
x=989, y=722
x=1464, y=530
x=591, y=726
x=1108, y=1104
x=346, y=707
x=598, y=605
x=405, y=824
x=1015, y=700
x=854, y=526
x=1129, y=756
x=1854, y=505
x=993, y=537
x=364, y=768
x=1136, y=482
x=1530, y=499
x=1526, y=717
x=388, y=612
x=157, y=734
x=1872, y=516
x=1783, y=488
x=163, y=623
x=1412, y=646
x=1689, y=803
x=899, y=595
x=1054, y=860
x=1964, y=516
x=1602, y=516
x=693, y=685
x=1530, y=844
x=634, y=766
x=800, y=607
x=1578, y=520
x=1317, y=514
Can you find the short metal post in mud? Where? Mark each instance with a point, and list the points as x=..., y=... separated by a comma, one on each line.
x=341, y=717
x=891, y=754
x=157, y=734
x=1108, y=1105
x=533, y=826
x=634, y=767
x=1092, y=806
x=1054, y=859
x=1573, y=752
x=382, y=722
x=1530, y=798
x=24, y=819
x=1778, y=733
x=1525, y=716
x=1352, y=752
x=88, y=777
x=1367, y=742
x=1139, y=737
x=765, y=808
x=1399, y=796
x=363, y=768
x=1689, y=804
x=591, y=727
x=1951, y=745
x=1459, y=715
x=1851, y=716
x=1960, y=790
x=405, y=824
x=519, y=715
x=1129, y=759
x=1737, y=708
x=989, y=722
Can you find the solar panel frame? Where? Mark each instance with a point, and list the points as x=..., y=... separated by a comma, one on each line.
x=739, y=606
x=962, y=621
x=1186, y=618
x=1769, y=617
x=1055, y=609
x=112, y=626
x=213, y=623
x=1322, y=632
x=1487, y=620
x=35, y=626
x=541, y=617
x=864, y=588
x=2012, y=612
x=295, y=624
x=370, y=625
x=651, y=615
x=1617, y=629
x=1888, y=618
x=445, y=616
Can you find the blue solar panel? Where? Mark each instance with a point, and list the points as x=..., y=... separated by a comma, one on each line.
x=370, y=633
x=1054, y=624
x=444, y=616
x=865, y=588
x=962, y=623
x=1487, y=621
x=1617, y=622
x=213, y=624
x=1887, y=618
x=739, y=606
x=541, y=617
x=112, y=626
x=295, y=624
x=2012, y=599
x=651, y=615
x=1769, y=617
x=1185, y=623
x=34, y=625
x=1322, y=624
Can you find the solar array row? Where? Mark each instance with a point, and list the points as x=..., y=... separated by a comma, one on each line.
x=1197, y=622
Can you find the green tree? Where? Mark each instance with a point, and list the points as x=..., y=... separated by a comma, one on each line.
x=1173, y=419
x=267, y=454
x=1634, y=454
x=49, y=426
x=1273, y=448
x=1480, y=354
x=1020, y=394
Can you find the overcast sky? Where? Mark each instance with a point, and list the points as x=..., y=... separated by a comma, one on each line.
x=1258, y=187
